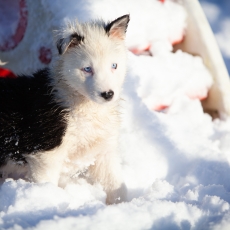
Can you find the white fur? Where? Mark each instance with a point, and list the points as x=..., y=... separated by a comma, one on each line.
x=98, y=51
x=90, y=141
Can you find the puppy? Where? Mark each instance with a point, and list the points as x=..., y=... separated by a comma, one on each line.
x=64, y=121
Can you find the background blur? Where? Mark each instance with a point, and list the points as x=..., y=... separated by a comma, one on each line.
x=218, y=15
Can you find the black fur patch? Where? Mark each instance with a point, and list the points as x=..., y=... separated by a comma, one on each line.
x=30, y=120
x=60, y=44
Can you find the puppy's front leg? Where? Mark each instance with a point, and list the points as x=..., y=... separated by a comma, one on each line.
x=45, y=167
x=107, y=171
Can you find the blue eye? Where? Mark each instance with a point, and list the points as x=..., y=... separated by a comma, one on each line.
x=88, y=69
x=114, y=65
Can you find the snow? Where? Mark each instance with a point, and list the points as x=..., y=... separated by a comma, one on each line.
x=165, y=24
x=175, y=162
x=161, y=78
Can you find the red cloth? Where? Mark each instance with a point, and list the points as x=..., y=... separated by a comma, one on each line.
x=4, y=73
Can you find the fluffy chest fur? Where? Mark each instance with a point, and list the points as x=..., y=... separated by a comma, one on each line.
x=90, y=128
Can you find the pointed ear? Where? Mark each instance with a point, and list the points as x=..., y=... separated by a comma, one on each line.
x=72, y=41
x=117, y=28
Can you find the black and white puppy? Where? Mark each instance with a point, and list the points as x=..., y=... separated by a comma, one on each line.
x=64, y=120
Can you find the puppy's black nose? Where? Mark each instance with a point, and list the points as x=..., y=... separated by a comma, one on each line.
x=107, y=95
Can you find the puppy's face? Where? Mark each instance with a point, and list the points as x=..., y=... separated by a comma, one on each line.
x=94, y=59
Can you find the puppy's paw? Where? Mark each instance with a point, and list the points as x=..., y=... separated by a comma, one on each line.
x=117, y=195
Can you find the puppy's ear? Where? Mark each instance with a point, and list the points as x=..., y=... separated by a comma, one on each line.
x=118, y=27
x=72, y=41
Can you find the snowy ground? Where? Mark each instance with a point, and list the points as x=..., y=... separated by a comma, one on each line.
x=175, y=163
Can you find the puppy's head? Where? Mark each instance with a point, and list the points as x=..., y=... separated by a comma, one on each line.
x=93, y=58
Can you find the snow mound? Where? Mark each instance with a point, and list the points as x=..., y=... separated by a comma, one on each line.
x=167, y=76
x=175, y=166
x=153, y=21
